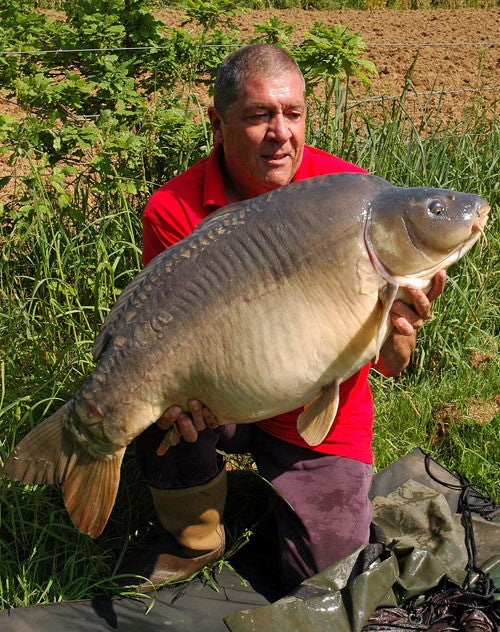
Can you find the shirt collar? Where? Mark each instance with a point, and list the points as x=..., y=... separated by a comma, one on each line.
x=214, y=195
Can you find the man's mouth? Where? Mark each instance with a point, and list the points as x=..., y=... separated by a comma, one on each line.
x=275, y=157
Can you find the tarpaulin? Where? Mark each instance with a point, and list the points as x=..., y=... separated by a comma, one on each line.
x=425, y=546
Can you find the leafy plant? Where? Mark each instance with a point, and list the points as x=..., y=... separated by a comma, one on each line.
x=207, y=13
x=274, y=31
x=329, y=57
x=100, y=130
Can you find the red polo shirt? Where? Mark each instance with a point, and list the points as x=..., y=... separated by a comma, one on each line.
x=173, y=212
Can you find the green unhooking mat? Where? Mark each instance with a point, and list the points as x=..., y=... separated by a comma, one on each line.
x=194, y=607
x=425, y=547
x=429, y=547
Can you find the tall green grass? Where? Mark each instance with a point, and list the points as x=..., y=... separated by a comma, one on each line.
x=62, y=270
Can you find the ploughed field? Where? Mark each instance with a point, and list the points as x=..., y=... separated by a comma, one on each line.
x=457, y=51
x=455, y=56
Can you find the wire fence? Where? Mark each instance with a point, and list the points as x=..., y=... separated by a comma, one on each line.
x=350, y=104
x=115, y=49
x=428, y=93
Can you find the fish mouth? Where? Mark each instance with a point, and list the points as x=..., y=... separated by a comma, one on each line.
x=480, y=222
x=482, y=217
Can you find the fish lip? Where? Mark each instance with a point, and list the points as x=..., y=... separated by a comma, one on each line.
x=481, y=219
x=483, y=215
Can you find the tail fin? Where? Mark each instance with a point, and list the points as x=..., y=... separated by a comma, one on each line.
x=49, y=454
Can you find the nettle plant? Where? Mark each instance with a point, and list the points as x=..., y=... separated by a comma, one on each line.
x=114, y=102
x=330, y=57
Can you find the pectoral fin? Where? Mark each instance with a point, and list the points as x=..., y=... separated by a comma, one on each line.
x=387, y=296
x=172, y=437
x=317, y=418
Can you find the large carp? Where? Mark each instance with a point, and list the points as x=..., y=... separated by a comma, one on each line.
x=267, y=306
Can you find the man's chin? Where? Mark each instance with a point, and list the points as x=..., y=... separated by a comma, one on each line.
x=277, y=177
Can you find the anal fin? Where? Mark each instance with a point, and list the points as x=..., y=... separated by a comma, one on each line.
x=318, y=416
x=90, y=491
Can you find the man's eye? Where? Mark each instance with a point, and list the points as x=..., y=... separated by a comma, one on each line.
x=258, y=116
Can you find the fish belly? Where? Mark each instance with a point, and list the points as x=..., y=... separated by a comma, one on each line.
x=268, y=356
x=252, y=328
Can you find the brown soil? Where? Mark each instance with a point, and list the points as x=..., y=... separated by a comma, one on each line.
x=448, y=415
x=456, y=51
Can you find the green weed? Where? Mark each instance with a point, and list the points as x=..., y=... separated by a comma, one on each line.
x=82, y=168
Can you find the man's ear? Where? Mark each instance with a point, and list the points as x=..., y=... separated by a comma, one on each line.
x=216, y=123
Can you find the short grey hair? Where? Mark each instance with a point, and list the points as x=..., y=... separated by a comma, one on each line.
x=261, y=60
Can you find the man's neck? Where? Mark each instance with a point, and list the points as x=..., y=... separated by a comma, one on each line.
x=236, y=192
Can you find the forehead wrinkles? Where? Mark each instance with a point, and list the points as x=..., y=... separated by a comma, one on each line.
x=282, y=92
x=266, y=91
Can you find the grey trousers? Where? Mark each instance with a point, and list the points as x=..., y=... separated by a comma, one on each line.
x=328, y=515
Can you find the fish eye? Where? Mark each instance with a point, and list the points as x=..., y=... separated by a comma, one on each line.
x=435, y=207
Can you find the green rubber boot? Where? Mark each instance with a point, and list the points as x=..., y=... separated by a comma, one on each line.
x=192, y=518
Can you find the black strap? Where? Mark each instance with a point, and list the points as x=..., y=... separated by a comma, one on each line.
x=483, y=583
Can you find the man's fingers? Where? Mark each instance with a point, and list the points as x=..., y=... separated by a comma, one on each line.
x=402, y=325
x=438, y=283
x=195, y=408
x=169, y=417
x=420, y=302
x=187, y=429
x=420, y=309
x=201, y=418
x=185, y=424
x=405, y=319
x=210, y=418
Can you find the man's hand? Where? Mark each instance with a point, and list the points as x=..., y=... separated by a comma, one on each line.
x=407, y=318
x=397, y=349
x=189, y=425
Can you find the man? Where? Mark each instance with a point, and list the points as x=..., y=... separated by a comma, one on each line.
x=258, y=122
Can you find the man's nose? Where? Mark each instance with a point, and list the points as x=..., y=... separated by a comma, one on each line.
x=278, y=129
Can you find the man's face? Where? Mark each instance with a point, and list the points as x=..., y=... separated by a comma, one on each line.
x=263, y=134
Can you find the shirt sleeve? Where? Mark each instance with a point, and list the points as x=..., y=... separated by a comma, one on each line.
x=161, y=227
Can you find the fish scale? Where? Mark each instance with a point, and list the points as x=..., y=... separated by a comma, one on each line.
x=268, y=306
